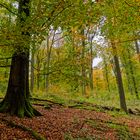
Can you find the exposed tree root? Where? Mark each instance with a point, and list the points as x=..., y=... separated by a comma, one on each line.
x=38, y=104
x=19, y=109
x=36, y=135
x=48, y=101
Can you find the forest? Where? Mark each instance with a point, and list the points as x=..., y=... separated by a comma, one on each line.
x=69, y=69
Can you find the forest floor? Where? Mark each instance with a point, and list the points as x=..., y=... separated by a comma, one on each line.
x=60, y=122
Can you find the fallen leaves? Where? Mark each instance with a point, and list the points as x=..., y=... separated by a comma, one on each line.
x=59, y=123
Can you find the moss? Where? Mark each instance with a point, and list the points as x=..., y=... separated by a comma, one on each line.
x=137, y=133
x=20, y=111
x=47, y=106
x=4, y=106
x=97, y=125
x=68, y=136
x=20, y=108
x=123, y=132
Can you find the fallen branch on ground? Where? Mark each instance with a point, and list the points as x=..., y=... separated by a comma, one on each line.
x=135, y=111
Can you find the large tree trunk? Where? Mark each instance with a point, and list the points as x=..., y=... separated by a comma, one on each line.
x=16, y=101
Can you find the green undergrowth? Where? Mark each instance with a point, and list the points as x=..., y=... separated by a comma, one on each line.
x=100, y=97
x=120, y=131
x=76, y=100
x=123, y=132
x=69, y=137
x=103, y=98
x=81, y=102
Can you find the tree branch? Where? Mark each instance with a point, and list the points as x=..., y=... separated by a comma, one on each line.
x=5, y=66
x=131, y=5
x=55, y=16
x=7, y=8
x=1, y=58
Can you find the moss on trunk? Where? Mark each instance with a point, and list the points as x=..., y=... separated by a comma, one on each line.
x=16, y=101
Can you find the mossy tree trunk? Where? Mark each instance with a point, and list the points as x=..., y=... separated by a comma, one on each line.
x=16, y=101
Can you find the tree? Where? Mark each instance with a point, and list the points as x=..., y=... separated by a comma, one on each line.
x=129, y=68
x=113, y=32
x=106, y=72
x=16, y=101
x=32, y=71
x=119, y=79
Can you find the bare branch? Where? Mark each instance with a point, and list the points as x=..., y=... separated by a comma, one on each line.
x=1, y=58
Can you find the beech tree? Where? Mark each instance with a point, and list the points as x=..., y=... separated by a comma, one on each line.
x=16, y=101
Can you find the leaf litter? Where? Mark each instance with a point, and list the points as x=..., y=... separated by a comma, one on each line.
x=62, y=123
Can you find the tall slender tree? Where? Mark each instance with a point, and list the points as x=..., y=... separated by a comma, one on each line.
x=119, y=79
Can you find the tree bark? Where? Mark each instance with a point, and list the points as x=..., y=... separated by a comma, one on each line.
x=119, y=79
x=16, y=101
x=32, y=72
x=83, y=65
x=91, y=69
x=48, y=62
x=38, y=72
